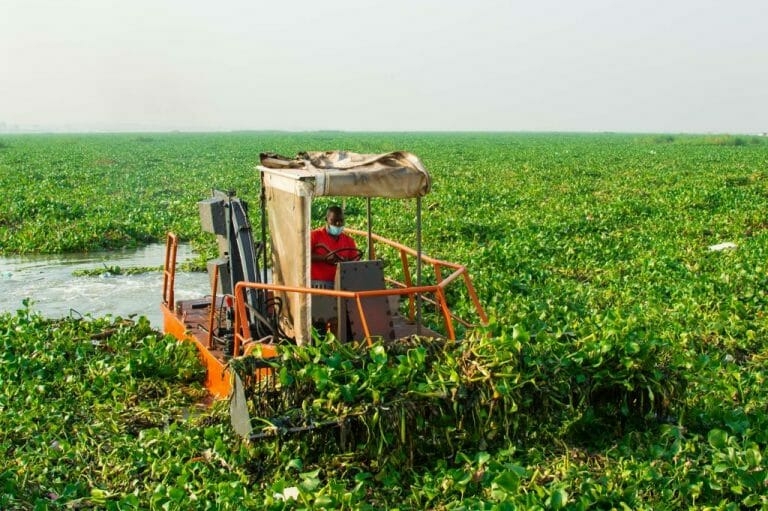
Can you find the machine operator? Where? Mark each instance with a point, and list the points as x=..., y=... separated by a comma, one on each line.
x=329, y=245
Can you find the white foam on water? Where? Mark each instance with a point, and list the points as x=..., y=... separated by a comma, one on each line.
x=49, y=282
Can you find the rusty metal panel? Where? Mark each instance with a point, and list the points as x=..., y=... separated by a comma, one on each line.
x=363, y=276
x=324, y=313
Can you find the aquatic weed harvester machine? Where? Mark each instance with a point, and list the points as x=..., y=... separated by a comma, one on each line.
x=296, y=358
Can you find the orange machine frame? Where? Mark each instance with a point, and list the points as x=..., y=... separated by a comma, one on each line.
x=177, y=321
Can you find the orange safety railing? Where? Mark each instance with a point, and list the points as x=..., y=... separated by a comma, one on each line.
x=457, y=271
x=212, y=315
x=242, y=325
x=169, y=270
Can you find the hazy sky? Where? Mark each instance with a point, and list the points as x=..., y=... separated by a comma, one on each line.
x=394, y=65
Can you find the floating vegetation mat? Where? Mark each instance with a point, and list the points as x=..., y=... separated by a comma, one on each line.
x=420, y=398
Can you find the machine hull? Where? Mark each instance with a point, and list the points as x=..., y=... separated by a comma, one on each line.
x=188, y=323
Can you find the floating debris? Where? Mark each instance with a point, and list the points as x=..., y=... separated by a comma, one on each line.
x=722, y=246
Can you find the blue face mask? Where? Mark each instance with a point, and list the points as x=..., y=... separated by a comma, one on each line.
x=335, y=230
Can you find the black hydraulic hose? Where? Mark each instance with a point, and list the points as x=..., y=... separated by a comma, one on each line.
x=248, y=262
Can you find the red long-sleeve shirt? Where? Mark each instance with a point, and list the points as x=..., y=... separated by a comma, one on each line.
x=322, y=243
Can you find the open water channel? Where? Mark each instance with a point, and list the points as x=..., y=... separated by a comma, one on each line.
x=49, y=282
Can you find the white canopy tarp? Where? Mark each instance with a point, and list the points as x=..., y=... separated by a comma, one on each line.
x=395, y=175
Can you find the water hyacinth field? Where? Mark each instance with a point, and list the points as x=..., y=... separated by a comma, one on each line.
x=624, y=365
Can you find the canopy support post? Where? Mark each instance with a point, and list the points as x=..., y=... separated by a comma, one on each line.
x=418, y=264
x=370, y=228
